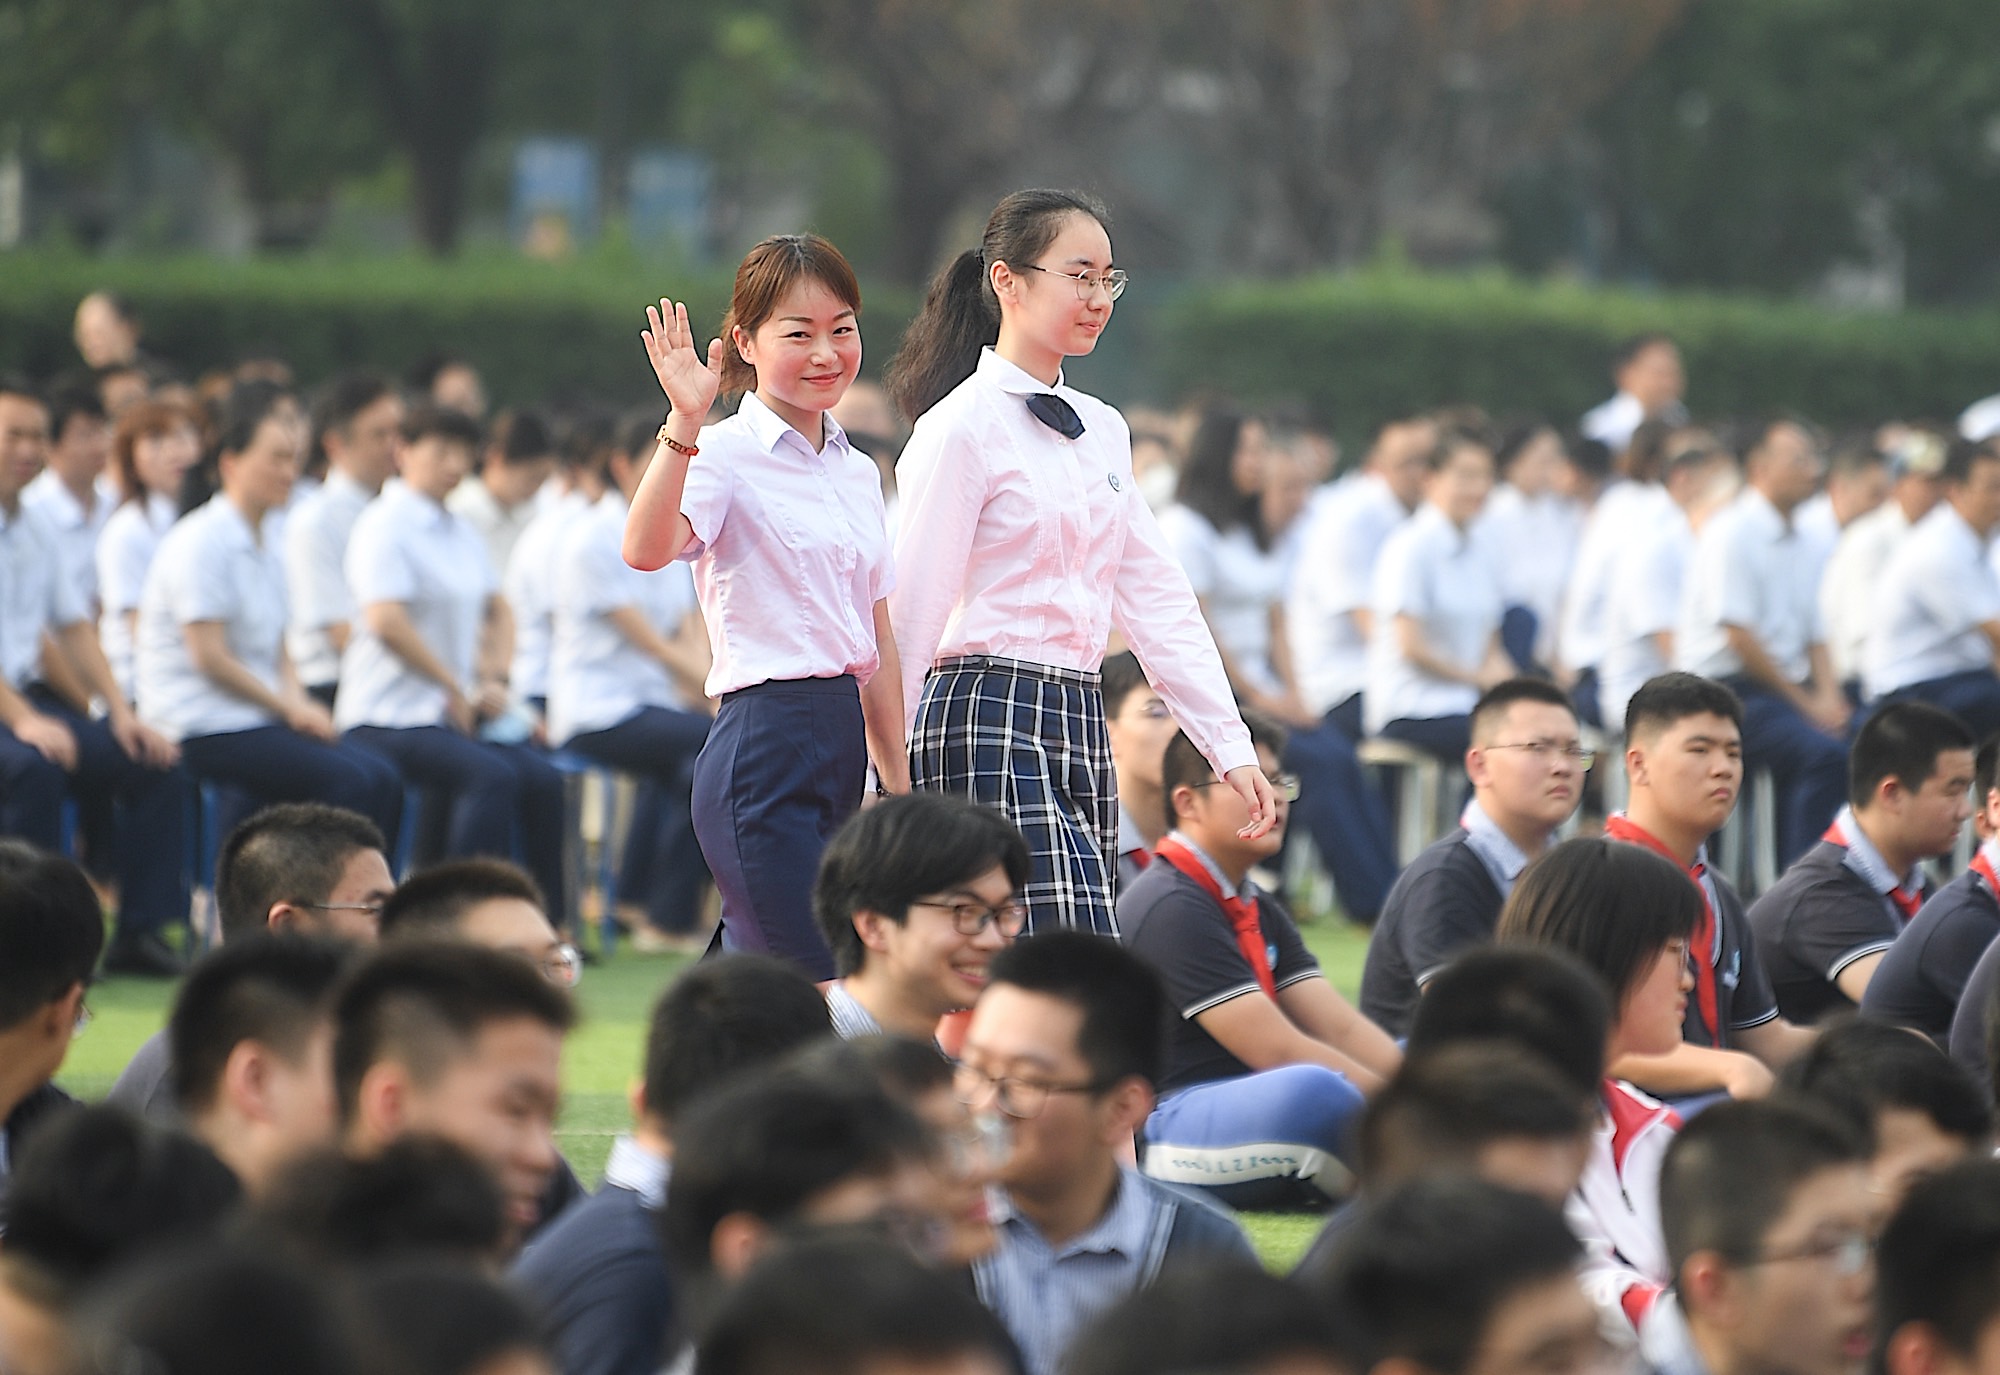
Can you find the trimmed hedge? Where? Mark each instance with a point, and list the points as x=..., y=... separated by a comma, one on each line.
x=1356, y=350
x=537, y=331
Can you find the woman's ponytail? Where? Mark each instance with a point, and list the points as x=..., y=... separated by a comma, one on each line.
x=960, y=316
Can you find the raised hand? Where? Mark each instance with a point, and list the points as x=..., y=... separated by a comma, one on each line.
x=690, y=384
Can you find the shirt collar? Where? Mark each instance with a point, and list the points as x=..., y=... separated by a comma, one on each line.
x=1129, y=836
x=1011, y=377
x=1767, y=515
x=435, y=513
x=1864, y=859
x=338, y=480
x=1123, y=1229
x=1503, y=859
x=1247, y=890
x=769, y=429
x=233, y=521
x=633, y=1167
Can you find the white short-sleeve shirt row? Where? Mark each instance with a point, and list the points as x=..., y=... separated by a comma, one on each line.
x=210, y=567
x=76, y=529
x=1927, y=609
x=597, y=677
x=1750, y=570
x=408, y=548
x=124, y=552
x=530, y=588
x=1436, y=573
x=1240, y=584
x=1344, y=530
x=1642, y=602
x=315, y=552
x=34, y=594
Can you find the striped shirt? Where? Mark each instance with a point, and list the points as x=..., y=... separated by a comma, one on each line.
x=850, y=1018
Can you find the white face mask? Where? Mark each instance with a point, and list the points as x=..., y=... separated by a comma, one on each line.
x=1157, y=485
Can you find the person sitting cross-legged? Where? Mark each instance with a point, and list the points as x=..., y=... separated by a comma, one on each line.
x=1267, y=1064
x=915, y=896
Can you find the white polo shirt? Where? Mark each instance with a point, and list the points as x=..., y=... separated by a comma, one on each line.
x=210, y=567
x=531, y=592
x=1937, y=591
x=597, y=678
x=1240, y=584
x=34, y=595
x=1847, y=587
x=76, y=530
x=407, y=548
x=1627, y=514
x=1749, y=570
x=1334, y=576
x=124, y=553
x=1533, y=542
x=1437, y=573
x=315, y=544
x=500, y=526
x=1642, y=600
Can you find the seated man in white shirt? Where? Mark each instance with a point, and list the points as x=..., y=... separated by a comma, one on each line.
x=499, y=500
x=1847, y=586
x=1936, y=610
x=355, y=420
x=1750, y=618
x=1328, y=618
x=74, y=494
x=915, y=896
x=1650, y=382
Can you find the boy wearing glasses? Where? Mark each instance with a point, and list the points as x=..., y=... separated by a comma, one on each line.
x=915, y=896
x=1526, y=764
x=1065, y=1046
x=1266, y=1065
x=1770, y=1226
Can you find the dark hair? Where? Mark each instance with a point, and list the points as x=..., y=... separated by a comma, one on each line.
x=1540, y=999
x=1959, y=459
x=428, y=420
x=1592, y=457
x=1860, y=1069
x=15, y=384
x=269, y=988
x=429, y=1317
x=769, y=270
x=1901, y=741
x=1120, y=677
x=843, y=1306
x=1123, y=1005
x=720, y=1017
x=1985, y=771
x=1670, y=698
x=520, y=437
x=1612, y=905
x=421, y=1002
x=1645, y=455
x=770, y=1142
x=906, y=1069
x=424, y=373
x=1207, y=480
x=293, y=853
x=885, y=858
x=243, y=412
x=145, y=419
x=1854, y=453
x=1516, y=438
x=65, y=403
x=1455, y=433
x=418, y=1195
x=1631, y=347
x=97, y=1187
x=1185, y=766
x=432, y=902
x=1938, y=1262
x=1494, y=702
x=51, y=930
x=636, y=436
x=345, y=396
x=960, y=314
x=1212, y=1316
x=1730, y=1172
x=1441, y=1109
x=1424, y=1268
x=221, y=1308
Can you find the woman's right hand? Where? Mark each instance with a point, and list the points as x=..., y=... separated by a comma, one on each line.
x=689, y=383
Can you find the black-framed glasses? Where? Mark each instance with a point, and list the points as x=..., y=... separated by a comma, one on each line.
x=1547, y=751
x=1848, y=1252
x=1022, y=1098
x=1112, y=283
x=1286, y=785
x=972, y=918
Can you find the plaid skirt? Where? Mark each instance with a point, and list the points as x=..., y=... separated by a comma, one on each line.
x=1030, y=740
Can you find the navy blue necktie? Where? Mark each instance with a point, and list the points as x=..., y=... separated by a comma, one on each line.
x=1057, y=414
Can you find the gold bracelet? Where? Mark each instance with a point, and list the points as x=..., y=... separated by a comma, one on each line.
x=685, y=450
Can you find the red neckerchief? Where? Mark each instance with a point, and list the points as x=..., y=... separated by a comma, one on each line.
x=1242, y=912
x=1139, y=857
x=1907, y=901
x=1706, y=1001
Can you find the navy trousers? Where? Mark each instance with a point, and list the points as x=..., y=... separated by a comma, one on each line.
x=149, y=818
x=663, y=867
x=1973, y=697
x=274, y=763
x=1808, y=765
x=783, y=768
x=1341, y=810
x=500, y=800
x=1265, y=1140
x=1447, y=737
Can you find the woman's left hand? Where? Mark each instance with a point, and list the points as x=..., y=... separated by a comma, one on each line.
x=1258, y=796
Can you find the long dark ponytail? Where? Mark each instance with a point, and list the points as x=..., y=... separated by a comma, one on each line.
x=961, y=315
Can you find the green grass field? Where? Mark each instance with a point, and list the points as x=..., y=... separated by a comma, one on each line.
x=603, y=1056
